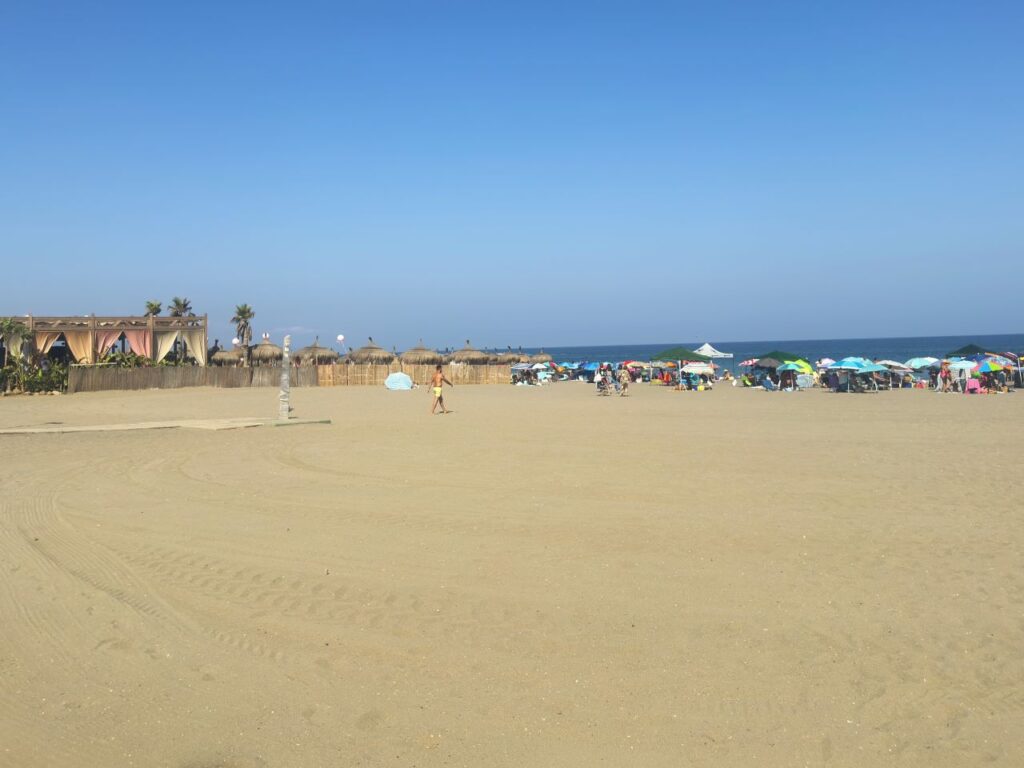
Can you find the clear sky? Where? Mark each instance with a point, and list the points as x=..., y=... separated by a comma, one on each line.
x=535, y=173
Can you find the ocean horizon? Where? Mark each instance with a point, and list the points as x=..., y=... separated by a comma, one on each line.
x=892, y=348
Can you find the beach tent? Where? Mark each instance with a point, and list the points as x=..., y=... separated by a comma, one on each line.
x=708, y=351
x=398, y=381
x=970, y=349
x=682, y=353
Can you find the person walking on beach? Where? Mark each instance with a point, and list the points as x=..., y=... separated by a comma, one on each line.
x=436, y=382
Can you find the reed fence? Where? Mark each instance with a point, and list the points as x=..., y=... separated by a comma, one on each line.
x=374, y=374
x=100, y=378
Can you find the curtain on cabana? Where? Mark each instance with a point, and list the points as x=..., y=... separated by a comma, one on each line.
x=165, y=343
x=105, y=340
x=80, y=344
x=196, y=345
x=45, y=340
x=139, y=343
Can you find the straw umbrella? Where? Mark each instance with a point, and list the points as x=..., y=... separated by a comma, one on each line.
x=227, y=357
x=314, y=354
x=420, y=355
x=371, y=353
x=541, y=357
x=508, y=358
x=267, y=352
x=470, y=355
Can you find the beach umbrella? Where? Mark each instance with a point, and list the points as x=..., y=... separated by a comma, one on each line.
x=314, y=354
x=916, y=363
x=226, y=357
x=962, y=365
x=990, y=366
x=473, y=356
x=873, y=368
x=398, y=381
x=825, y=362
x=789, y=367
x=768, y=362
x=267, y=352
x=778, y=354
x=849, y=364
x=510, y=357
x=541, y=357
x=420, y=355
x=698, y=368
x=371, y=353
x=1002, y=360
x=750, y=362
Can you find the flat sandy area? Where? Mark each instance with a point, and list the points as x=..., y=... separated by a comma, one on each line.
x=542, y=578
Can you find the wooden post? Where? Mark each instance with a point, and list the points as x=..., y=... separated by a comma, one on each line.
x=284, y=399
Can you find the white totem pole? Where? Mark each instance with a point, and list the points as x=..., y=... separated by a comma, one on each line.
x=284, y=399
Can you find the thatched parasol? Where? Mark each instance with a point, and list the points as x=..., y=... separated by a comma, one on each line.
x=371, y=353
x=227, y=357
x=314, y=354
x=267, y=352
x=541, y=357
x=420, y=355
x=469, y=355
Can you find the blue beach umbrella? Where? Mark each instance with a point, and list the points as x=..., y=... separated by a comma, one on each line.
x=849, y=364
x=916, y=363
x=873, y=368
x=398, y=381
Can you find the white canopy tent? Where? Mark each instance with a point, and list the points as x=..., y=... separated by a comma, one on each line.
x=708, y=351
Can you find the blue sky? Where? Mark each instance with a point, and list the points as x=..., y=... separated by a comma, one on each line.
x=528, y=173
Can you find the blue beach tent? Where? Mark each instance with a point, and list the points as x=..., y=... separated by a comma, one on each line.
x=398, y=381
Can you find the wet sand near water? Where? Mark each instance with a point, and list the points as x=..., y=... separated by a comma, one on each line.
x=541, y=578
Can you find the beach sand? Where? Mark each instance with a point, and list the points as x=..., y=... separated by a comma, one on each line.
x=542, y=578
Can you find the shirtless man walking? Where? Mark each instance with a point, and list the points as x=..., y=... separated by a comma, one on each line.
x=435, y=382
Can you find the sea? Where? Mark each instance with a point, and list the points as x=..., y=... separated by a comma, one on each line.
x=899, y=348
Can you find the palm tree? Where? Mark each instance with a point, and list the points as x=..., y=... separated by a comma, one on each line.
x=13, y=332
x=180, y=307
x=153, y=308
x=243, y=314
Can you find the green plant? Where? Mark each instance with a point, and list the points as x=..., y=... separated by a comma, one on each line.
x=14, y=333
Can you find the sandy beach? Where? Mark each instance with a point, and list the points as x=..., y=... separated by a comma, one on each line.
x=541, y=578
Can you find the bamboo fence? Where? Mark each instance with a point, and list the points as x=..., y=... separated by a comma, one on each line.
x=99, y=378
x=374, y=374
